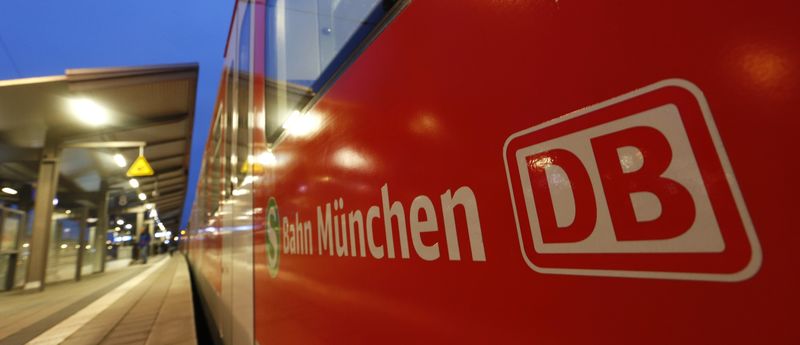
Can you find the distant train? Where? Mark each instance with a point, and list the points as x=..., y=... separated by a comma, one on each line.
x=620, y=172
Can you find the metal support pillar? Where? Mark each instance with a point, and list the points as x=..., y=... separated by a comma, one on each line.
x=42, y=215
x=101, y=231
x=82, y=233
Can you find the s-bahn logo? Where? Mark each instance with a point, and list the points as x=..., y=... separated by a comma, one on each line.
x=273, y=242
x=636, y=186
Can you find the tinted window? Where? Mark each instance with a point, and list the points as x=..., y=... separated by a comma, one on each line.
x=307, y=42
x=242, y=137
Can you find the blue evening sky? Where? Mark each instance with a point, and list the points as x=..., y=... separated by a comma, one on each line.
x=46, y=37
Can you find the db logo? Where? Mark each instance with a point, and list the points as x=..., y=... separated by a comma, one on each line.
x=637, y=186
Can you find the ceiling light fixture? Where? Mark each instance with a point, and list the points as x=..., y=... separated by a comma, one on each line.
x=120, y=160
x=89, y=111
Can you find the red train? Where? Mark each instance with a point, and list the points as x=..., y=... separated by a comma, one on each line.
x=503, y=172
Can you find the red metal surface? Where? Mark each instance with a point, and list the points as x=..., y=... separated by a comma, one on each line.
x=426, y=110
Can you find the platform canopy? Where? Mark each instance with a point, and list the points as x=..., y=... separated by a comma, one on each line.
x=93, y=115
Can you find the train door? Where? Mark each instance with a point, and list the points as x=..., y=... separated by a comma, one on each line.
x=225, y=227
x=212, y=243
x=225, y=230
x=237, y=247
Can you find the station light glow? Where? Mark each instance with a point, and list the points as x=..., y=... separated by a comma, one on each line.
x=122, y=238
x=134, y=183
x=68, y=211
x=120, y=160
x=89, y=111
x=298, y=124
x=128, y=226
x=153, y=213
x=55, y=201
x=9, y=190
x=142, y=196
x=267, y=158
x=120, y=222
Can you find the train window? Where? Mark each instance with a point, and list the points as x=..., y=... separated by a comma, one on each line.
x=214, y=169
x=242, y=137
x=307, y=43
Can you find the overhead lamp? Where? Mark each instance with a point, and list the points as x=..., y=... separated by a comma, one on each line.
x=120, y=160
x=9, y=190
x=89, y=111
x=134, y=183
x=91, y=220
x=120, y=222
x=55, y=201
x=68, y=211
x=128, y=226
x=148, y=206
x=142, y=196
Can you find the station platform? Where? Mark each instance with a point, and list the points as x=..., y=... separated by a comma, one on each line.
x=139, y=304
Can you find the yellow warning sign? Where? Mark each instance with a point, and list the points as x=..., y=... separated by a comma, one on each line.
x=140, y=168
x=257, y=168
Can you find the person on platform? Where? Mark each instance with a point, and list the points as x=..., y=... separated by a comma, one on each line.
x=144, y=245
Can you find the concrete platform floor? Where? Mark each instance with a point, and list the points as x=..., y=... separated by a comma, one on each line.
x=141, y=304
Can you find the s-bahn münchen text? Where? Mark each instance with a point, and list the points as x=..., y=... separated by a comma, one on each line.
x=342, y=231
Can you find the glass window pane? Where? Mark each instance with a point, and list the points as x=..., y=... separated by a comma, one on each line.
x=10, y=231
x=215, y=161
x=242, y=138
x=307, y=42
x=4, y=260
x=63, y=251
